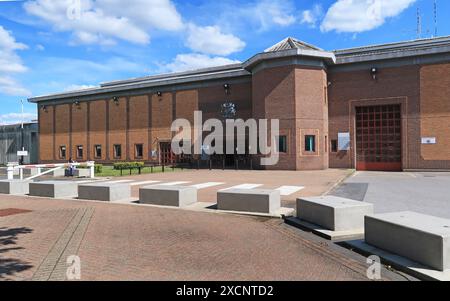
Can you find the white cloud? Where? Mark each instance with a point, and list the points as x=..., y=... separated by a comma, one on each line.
x=10, y=63
x=79, y=87
x=186, y=62
x=105, y=21
x=361, y=15
x=16, y=118
x=210, y=40
x=58, y=74
x=10, y=86
x=273, y=12
x=311, y=16
x=159, y=14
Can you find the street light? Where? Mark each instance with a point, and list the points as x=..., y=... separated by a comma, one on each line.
x=21, y=134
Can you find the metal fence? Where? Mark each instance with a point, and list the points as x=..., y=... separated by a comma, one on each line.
x=11, y=141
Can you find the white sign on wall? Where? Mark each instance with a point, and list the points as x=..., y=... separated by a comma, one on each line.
x=343, y=141
x=22, y=153
x=429, y=140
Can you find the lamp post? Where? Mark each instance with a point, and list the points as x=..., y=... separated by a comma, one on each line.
x=21, y=133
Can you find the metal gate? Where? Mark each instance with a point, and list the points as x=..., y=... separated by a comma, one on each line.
x=379, y=138
x=167, y=156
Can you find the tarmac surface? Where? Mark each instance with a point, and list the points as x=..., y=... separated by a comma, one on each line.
x=422, y=192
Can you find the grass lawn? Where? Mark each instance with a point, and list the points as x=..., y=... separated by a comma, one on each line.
x=109, y=171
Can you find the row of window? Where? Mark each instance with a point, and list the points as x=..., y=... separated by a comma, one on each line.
x=117, y=151
x=310, y=144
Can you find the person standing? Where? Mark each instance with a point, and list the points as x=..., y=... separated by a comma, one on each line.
x=71, y=167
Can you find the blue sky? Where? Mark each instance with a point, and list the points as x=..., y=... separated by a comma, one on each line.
x=49, y=46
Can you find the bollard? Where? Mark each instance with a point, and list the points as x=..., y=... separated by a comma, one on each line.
x=92, y=168
x=10, y=172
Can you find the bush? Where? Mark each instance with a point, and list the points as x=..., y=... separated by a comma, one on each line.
x=128, y=165
x=98, y=168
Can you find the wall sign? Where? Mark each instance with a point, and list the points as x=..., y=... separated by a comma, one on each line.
x=343, y=141
x=429, y=140
x=22, y=153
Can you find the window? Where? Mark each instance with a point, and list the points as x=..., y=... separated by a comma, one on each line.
x=282, y=144
x=79, y=152
x=62, y=152
x=117, y=151
x=310, y=143
x=98, y=151
x=139, y=151
x=334, y=146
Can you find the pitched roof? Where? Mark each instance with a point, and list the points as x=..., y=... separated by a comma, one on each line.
x=291, y=43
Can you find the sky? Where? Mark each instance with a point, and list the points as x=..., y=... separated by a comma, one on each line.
x=50, y=46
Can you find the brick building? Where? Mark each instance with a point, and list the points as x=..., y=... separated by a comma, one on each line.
x=384, y=107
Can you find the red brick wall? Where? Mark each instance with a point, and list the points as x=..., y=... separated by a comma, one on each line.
x=97, y=125
x=117, y=127
x=62, y=130
x=311, y=117
x=296, y=96
x=138, y=126
x=435, y=115
x=79, y=130
x=161, y=112
x=274, y=98
x=393, y=85
x=46, y=146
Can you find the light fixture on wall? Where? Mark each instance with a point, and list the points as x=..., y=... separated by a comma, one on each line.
x=77, y=103
x=44, y=108
x=159, y=93
x=374, y=72
x=227, y=88
x=116, y=100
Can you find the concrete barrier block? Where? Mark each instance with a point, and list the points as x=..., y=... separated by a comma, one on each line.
x=333, y=213
x=82, y=173
x=56, y=173
x=418, y=237
x=177, y=196
x=249, y=200
x=15, y=187
x=4, y=172
x=107, y=192
x=54, y=189
x=29, y=172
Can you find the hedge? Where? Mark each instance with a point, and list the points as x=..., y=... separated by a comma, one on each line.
x=98, y=168
x=128, y=165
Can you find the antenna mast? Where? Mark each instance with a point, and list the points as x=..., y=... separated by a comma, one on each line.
x=435, y=19
x=419, y=24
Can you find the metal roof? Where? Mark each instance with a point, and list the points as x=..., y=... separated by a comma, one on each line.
x=421, y=47
x=291, y=43
x=223, y=72
x=287, y=47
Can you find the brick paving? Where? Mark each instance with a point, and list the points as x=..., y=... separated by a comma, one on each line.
x=123, y=242
x=315, y=182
